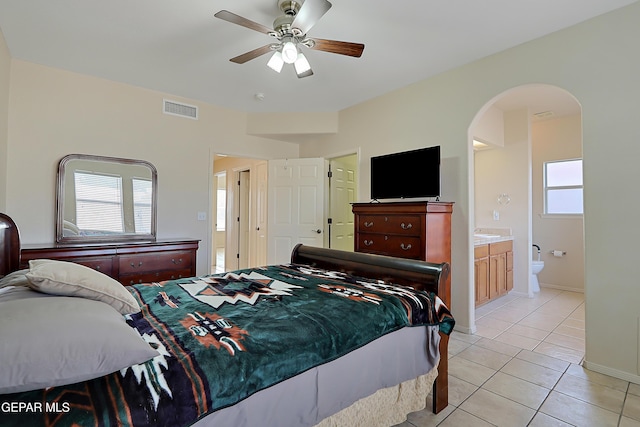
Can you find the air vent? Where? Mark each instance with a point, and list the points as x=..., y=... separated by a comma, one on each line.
x=179, y=109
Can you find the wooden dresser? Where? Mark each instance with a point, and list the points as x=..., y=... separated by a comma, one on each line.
x=417, y=230
x=129, y=263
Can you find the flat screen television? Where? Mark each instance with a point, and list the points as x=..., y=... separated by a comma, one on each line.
x=406, y=175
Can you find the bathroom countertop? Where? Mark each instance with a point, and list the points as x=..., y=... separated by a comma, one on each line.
x=484, y=236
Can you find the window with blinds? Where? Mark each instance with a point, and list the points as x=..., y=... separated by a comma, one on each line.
x=563, y=187
x=99, y=202
x=142, y=198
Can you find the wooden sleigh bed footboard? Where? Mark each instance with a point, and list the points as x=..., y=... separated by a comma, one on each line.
x=420, y=275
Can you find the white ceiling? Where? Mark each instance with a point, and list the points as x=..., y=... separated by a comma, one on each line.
x=178, y=47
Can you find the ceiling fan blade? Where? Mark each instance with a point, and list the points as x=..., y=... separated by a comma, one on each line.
x=310, y=12
x=342, y=48
x=245, y=57
x=225, y=15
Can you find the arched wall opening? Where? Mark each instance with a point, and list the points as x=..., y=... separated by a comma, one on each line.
x=514, y=134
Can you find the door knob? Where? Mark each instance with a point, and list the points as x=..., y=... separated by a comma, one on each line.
x=317, y=231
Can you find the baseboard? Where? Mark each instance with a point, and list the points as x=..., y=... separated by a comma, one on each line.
x=465, y=330
x=625, y=376
x=561, y=288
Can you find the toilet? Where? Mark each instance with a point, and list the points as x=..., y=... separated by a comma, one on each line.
x=536, y=267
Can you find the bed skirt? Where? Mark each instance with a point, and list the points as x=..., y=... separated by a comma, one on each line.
x=385, y=369
x=386, y=407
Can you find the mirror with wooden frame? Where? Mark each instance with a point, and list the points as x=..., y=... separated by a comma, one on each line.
x=105, y=199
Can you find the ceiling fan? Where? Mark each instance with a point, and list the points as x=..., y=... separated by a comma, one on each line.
x=290, y=30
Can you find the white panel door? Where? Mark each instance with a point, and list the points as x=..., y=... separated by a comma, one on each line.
x=296, y=206
x=342, y=194
x=261, y=213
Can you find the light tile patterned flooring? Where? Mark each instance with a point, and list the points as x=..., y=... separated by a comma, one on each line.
x=523, y=368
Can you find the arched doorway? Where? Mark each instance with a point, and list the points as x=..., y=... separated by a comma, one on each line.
x=521, y=129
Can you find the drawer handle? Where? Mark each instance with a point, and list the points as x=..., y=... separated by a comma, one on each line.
x=368, y=242
x=139, y=264
x=134, y=283
x=368, y=224
x=405, y=248
x=98, y=267
x=176, y=262
x=406, y=226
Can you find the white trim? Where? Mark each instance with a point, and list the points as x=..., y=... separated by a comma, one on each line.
x=611, y=372
x=465, y=330
x=561, y=216
x=561, y=288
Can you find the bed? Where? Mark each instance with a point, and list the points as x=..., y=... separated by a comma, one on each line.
x=355, y=345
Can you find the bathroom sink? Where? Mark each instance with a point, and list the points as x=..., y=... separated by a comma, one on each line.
x=485, y=236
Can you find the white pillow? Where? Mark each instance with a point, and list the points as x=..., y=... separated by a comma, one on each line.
x=50, y=341
x=69, y=279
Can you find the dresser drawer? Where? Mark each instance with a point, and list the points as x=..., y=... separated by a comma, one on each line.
x=155, y=262
x=101, y=264
x=398, y=246
x=394, y=224
x=158, y=276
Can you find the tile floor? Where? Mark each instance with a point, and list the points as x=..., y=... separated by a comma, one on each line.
x=523, y=368
x=219, y=266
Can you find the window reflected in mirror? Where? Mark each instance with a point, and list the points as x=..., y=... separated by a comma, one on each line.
x=105, y=198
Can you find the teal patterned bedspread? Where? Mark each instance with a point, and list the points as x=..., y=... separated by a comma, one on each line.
x=223, y=337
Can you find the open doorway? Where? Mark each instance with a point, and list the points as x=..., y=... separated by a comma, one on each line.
x=241, y=206
x=219, y=227
x=523, y=128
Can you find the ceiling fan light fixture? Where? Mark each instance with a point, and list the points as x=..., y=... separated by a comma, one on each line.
x=289, y=52
x=302, y=66
x=276, y=62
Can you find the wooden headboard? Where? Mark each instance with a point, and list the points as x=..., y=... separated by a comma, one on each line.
x=421, y=275
x=9, y=245
x=418, y=274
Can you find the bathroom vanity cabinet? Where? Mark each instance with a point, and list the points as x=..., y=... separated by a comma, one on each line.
x=493, y=269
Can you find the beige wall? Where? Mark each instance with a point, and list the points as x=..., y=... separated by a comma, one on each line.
x=595, y=62
x=5, y=68
x=557, y=139
x=54, y=113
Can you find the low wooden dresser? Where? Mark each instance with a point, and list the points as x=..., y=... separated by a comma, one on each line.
x=129, y=263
